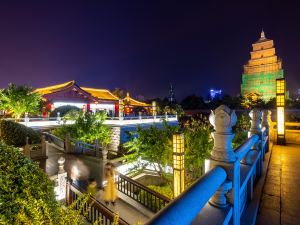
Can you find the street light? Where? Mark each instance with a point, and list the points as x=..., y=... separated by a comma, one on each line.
x=178, y=163
x=280, y=104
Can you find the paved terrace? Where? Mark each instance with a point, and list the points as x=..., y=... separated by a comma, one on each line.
x=280, y=202
x=80, y=168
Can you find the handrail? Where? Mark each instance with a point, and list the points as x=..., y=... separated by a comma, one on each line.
x=97, y=209
x=56, y=140
x=244, y=148
x=186, y=207
x=150, y=199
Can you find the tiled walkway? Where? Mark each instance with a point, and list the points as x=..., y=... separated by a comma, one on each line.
x=280, y=203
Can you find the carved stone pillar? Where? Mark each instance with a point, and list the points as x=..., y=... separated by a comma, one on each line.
x=219, y=199
x=61, y=179
x=223, y=119
x=44, y=146
x=68, y=147
x=58, y=118
x=61, y=162
x=264, y=121
x=255, y=128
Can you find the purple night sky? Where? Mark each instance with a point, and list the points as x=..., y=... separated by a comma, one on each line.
x=142, y=46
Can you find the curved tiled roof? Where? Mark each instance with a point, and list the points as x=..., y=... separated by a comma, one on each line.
x=101, y=93
x=130, y=101
x=54, y=88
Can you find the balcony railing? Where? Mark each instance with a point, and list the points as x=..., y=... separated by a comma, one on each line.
x=142, y=194
x=224, y=193
x=93, y=210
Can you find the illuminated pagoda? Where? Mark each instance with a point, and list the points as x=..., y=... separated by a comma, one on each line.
x=262, y=70
x=90, y=99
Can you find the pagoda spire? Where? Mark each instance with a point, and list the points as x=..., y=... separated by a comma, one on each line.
x=262, y=35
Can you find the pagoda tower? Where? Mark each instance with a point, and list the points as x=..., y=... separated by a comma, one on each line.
x=262, y=70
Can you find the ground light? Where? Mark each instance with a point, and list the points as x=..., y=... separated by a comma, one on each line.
x=280, y=104
x=178, y=163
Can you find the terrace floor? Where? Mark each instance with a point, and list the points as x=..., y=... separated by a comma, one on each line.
x=80, y=168
x=280, y=202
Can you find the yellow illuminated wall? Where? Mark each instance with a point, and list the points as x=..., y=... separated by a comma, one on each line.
x=178, y=163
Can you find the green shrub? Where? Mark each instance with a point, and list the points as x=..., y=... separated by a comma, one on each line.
x=12, y=133
x=151, y=200
x=87, y=127
x=241, y=129
x=21, y=180
x=198, y=145
x=63, y=110
x=165, y=190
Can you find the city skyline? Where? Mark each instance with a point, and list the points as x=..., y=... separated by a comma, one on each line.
x=142, y=47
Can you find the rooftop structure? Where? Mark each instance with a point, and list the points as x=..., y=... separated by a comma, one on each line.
x=70, y=93
x=262, y=70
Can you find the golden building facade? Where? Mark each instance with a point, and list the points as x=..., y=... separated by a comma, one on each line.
x=262, y=70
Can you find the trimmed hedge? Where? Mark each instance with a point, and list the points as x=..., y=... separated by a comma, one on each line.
x=12, y=133
x=21, y=183
x=63, y=110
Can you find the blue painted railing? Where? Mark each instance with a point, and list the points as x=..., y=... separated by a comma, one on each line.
x=221, y=195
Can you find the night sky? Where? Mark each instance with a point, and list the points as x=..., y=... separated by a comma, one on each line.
x=142, y=46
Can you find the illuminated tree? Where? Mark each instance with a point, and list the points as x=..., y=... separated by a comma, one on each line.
x=18, y=100
x=252, y=100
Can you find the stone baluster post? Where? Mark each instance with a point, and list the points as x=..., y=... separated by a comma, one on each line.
x=140, y=116
x=58, y=118
x=68, y=147
x=255, y=128
x=27, y=147
x=176, y=116
x=166, y=116
x=223, y=119
x=265, y=123
x=26, y=119
x=61, y=179
x=121, y=109
x=44, y=146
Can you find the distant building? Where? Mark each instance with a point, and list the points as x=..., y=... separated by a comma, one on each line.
x=70, y=93
x=215, y=94
x=171, y=97
x=262, y=70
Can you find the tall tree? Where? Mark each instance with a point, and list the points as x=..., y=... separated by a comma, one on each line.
x=19, y=100
x=192, y=102
x=118, y=92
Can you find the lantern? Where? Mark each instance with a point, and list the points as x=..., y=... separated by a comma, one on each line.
x=280, y=104
x=178, y=163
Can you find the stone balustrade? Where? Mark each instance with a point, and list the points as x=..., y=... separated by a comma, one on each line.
x=225, y=191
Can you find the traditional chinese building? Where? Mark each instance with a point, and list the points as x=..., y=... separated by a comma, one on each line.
x=262, y=70
x=70, y=93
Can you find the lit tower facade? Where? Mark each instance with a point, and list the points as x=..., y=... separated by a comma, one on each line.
x=262, y=70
